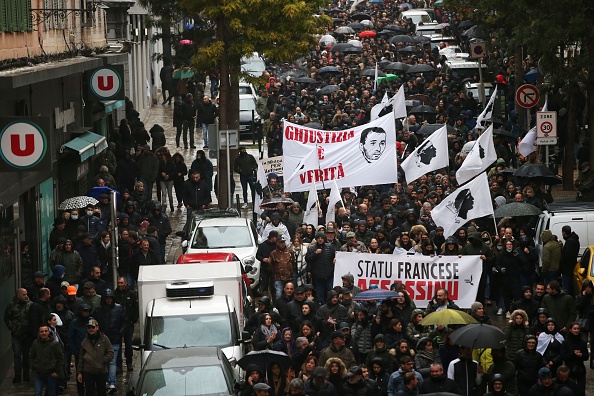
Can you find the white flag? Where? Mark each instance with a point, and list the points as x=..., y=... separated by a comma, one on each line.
x=310, y=216
x=332, y=201
x=385, y=99
x=430, y=155
x=488, y=111
x=399, y=104
x=309, y=162
x=375, y=78
x=528, y=143
x=479, y=158
x=260, y=178
x=466, y=203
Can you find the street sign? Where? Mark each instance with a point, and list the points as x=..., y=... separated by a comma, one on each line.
x=107, y=83
x=477, y=50
x=527, y=96
x=546, y=127
x=24, y=144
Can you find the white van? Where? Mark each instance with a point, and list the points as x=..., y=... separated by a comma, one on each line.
x=578, y=215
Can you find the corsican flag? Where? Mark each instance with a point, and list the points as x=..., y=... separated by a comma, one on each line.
x=310, y=216
x=332, y=201
x=479, y=158
x=398, y=104
x=260, y=178
x=430, y=155
x=527, y=144
x=468, y=202
x=488, y=111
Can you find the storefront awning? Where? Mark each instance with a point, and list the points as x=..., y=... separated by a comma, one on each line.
x=99, y=142
x=83, y=148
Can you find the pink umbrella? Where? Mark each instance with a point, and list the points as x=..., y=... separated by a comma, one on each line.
x=186, y=42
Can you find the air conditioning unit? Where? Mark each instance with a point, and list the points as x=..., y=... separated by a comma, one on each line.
x=184, y=289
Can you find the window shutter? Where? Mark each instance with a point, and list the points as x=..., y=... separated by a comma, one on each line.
x=3, y=25
x=11, y=15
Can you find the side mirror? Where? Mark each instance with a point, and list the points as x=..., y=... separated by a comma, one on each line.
x=184, y=244
x=246, y=337
x=181, y=234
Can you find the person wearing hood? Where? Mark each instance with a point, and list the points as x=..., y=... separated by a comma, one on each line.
x=526, y=303
x=540, y=323
x=157, y=136
x=337, y=349
x=527, y=362
x=66, y=317
x=497, y=386
x=574, y=352
x=96, y=353
x=549, y=345
x=426, y=355
x=357, y=384
x=321, y=258
x=277, y=225
x=346, y=300
x=295, y=217
x=361, y=334
x=330, y=315
x=54, y=283
x=551, y=256
x=112, y=318
x=584, y=303
x=348, y=281
x=318, y=385
x=127, y=172
x=415, y=331
x=559, y=305
x=264, y=307
x=59, y=231
x=505, y=368
x=336, y=373
x=515, y=332
x=246, y=165
x=477, y=247
x=544, y=386
x=569, y=255
x=159, y=220
x=16, y=318
x=507, y=269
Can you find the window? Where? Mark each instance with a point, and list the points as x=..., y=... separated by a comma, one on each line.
x=15, y=16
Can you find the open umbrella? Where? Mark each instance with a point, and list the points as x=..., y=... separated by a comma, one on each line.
x=420, y=68
x=438, y=3
x=375, y=294
x=531, y=76
x=330, y=70
x=538, y=172
x=272, y=202
x=328, y=89
x=77, y=203
x=355, y=43
x=263, y=359
x=183, y=73
x=360, y=16
x=397, y=67
x=476, y=32
x=386, y=33
x=440, y=26
x=327, y=40
x=428, y=129
x=352, y=50
x=344, y=30
x=367, y=23
x=367, y=33
x=477, y=336
x=387, y=78
x=337, y=21
x=503, y=132
x=396, y=28
x=407, y=50
x=421, y=39
x=423, y=109
x=96, y=192
x=371, y=73
x=304, y=80
x=466, y=24
x=447, y=317
x=338, y=47
x=516, y=209
x=356, y=26
x=402, y=38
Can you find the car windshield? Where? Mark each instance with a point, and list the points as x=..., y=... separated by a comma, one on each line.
x=245, y=90
x=191, y=331
x=200, y=380
x=247, y=104
x=222, y=237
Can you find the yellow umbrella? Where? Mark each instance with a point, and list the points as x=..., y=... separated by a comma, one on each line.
x=447, y=317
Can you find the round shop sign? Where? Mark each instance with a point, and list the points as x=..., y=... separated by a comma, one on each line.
x=105, y=82
x=22, y=144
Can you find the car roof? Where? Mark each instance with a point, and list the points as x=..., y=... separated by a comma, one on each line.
x=224, y=221
x=184, y=357
x=569, y=207
x=207, y=257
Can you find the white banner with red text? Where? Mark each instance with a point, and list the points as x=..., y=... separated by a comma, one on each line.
x=421, y=275
x=362, y=155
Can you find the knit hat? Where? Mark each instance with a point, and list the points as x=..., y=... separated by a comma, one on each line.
x=475, y=306
x=544, y=372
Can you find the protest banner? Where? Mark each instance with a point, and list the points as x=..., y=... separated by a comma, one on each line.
x=357, y=156
x=421, y=275
x=273, y=164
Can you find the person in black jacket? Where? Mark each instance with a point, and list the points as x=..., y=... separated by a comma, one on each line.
x=165, y=177
x=207, y=113
x=161, y=222
x=157, y=136
x=320, y=258
x=178, y=119
x=528, y=362
x=438, y=382
x=574, y=352
x=181, y=170
x=569, y=255
x=263, y=256
x=196, y=195
x=128, y=299
x=189, y=119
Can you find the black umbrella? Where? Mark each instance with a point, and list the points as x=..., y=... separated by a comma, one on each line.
x=476, y=32
x=352, y=50
x=272, y=202
x=423, y=109
x=420, y=68
x=330, y=70
x=408, y=50
x=305, y=80
x=385, y=33
x=356, y=26
x=516, y=209
x=375, y=294
x=466, y=24
x=537, y=172
x=263, y=359
x=338, y=47
x=333, y=11
x=396, y=66
x=421, y=39
x=328, y=89
x=428, y=129
x=503, y=132
x=477, y=336
x=337, y=20
x=360, y=16
x=396, y=28
x=401, y=38
x=371, y=73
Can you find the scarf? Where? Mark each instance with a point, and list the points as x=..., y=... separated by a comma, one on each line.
x=268, y=331
x=544, y=339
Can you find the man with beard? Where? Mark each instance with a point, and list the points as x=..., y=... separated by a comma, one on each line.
x=441, y=302
x=477, y=247
x=96, y=353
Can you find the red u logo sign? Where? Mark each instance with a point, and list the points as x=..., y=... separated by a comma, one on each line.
x=15, y=144
x=105, y=86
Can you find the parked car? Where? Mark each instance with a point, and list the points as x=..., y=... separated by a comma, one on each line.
x=227, y=234
x=583, y=269
x=248, y=116
x=416, y=16
x=185, y=371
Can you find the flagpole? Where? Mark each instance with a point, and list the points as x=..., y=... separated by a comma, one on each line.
x=495, y=223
